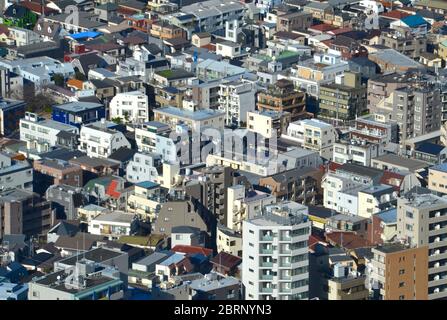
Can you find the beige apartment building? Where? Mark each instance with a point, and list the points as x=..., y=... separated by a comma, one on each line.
x=400, y=272
x=437, y=178
x=422, y=222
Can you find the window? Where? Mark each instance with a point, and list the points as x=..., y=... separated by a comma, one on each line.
x=402, y=297
x=409, y=214
x=409, y=227
x=401, y=284
x=402, y=271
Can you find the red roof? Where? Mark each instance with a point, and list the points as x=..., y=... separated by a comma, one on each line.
x=192, y=250
x=323, y=27
x=338, y=31
x=226, y=260
x=36, y=7
x=394, y=14
x=392, y=179
x=350, y=240
x=111, y=189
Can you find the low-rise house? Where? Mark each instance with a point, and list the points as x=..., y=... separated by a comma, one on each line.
x=113, y=224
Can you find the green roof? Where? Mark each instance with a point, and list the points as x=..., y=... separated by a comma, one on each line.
x=287, y=54
x=150, y=241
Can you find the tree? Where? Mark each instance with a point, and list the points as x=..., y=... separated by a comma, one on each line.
x=39, y=103
x=80, y=76
x=117, y=120
x=59, y=79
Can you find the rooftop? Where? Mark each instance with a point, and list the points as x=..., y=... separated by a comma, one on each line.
x=198, y=115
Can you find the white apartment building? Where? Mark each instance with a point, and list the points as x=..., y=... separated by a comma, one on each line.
x=196, y=120
x=333, y=185
x=313, y=134
x=268, y=123
x=236, y=98
x=23, y=37
x=15, y=174
x=146, y=135
x=100, y=141
x=245, y=204
x=275, y=253
x=41, y=134
x=143, y=167
x=130, y=107
x=39, y=70
x=357, y=151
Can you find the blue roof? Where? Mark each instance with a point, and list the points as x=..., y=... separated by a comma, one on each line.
x=147, y=184
x=86, y=34
x=414, y=20
x=440, y=167
x=388, y=216
x=430, y=148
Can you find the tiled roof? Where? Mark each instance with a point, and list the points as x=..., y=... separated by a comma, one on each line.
x=192, y=250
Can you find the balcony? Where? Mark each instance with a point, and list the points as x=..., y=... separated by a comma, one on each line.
x=266, y=238
x=267, y=290
x=266, y=251
x=267, y=277
x=266, y=264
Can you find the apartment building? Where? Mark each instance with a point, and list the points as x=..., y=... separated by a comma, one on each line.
x=38, y=70
x=236, y=99
x=196, y=120
x=283, y=97
x=343, y=100
x=211, y=15
x=314, y=134
x=437, y=178
x=395, y=163
x=404, y=42
x=11, y=111
x=15, y=174
x=49, y=172
x=143, y=167
x=294, y=21
x=381, y=87
x=275, y=253
x=209, y=185
x=130, y=106
x=421, y=222
x=309, y=74
x=244, y=204
x=376, y=199
x=162, y=30
x=268, y=123
x=302, y=185
x=356, y=151
x=41, y=134
x=416, y=109
x=146, y=135
x=100, y=140
x=24, y=212
x=375, y=128
x=22, y=36
x=86, y=280
x=146, y=200
x=399, y=272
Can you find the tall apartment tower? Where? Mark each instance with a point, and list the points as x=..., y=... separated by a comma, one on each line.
x=275, y=254
x=422, y=221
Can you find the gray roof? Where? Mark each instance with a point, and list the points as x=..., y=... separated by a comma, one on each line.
x=396, y=160
x=184, y=229
x=78, y=106
x=153, y=258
